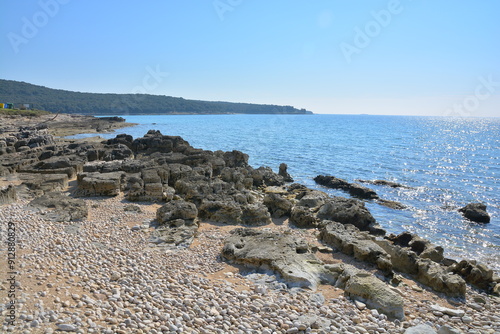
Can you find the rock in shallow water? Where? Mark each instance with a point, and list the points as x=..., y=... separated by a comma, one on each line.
x=475, y=212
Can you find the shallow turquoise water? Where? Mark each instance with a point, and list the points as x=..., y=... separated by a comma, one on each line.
x=447, y=162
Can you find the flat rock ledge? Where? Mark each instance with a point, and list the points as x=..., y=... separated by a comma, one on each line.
x=291, y=258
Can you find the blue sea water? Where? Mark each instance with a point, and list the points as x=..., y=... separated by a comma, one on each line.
x=446, y=162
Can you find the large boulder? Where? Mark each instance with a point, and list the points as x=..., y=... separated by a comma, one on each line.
x=177, y=224
x=63, y=208
x=349, y=211
x=176, y=209
x=475, y=212
x=304, y=217
x=277, y=205
x=287, y=255
x=227, y=212
x=312, y=199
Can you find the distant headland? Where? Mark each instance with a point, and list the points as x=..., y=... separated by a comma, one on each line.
x=63, y=101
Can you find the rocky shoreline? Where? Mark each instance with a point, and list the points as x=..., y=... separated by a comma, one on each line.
x=151, y=235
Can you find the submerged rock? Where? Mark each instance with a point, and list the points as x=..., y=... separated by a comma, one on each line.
x=352, y=188
x=475, y=212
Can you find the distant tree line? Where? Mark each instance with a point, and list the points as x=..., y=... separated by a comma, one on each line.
x=56, y=100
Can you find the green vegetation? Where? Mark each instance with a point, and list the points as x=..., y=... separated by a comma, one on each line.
x=64, y=101
x=31, y=113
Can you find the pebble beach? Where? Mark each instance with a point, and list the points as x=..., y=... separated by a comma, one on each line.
x=102, y=275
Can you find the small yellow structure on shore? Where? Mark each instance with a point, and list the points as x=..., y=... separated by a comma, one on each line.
x=2, y=105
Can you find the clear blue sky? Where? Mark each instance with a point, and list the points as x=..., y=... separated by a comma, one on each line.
x=336, y=56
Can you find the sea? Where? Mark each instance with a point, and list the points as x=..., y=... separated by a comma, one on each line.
x=445, y=163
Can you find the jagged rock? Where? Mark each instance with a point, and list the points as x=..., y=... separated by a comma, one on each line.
x=277, y=205
x=351, y=241
x=232, y=213
x=8, y=195
x=264, y=176
x=117, y=152
x=368, y=289
x=312, y=199
x=100, y=184
x=284, y=173
x=426, y=271
x=422, y=247
x=304, y=217
x=178, y=225
x=235, y=159
x=255, y=214
x=176, y=209
x=349, y=211
x=475, y=273
x=352, y=188
x=154, y=141
x=227, y=212
x=475, y=212
x=433, y=275
x=123, y=139
x=65, y=208
x=284, y=254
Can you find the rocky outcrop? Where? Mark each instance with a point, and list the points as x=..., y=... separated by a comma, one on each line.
x=100, y=184
x=232, y=213
x=277, y=205
x=177, y=224
x=353, y=189
x=349, y=211
x=286, y=255
x=476, y=274
x=476, y=212
x=351, y=241
x=284, y=173
x=368, y=289
x=63, y=208
x=425, y=270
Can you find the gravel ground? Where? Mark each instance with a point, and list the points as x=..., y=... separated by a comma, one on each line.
x=101, y=275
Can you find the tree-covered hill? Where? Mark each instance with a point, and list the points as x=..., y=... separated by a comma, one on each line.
x=56, y=100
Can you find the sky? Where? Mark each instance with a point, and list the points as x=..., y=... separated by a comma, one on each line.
x=407, y=57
